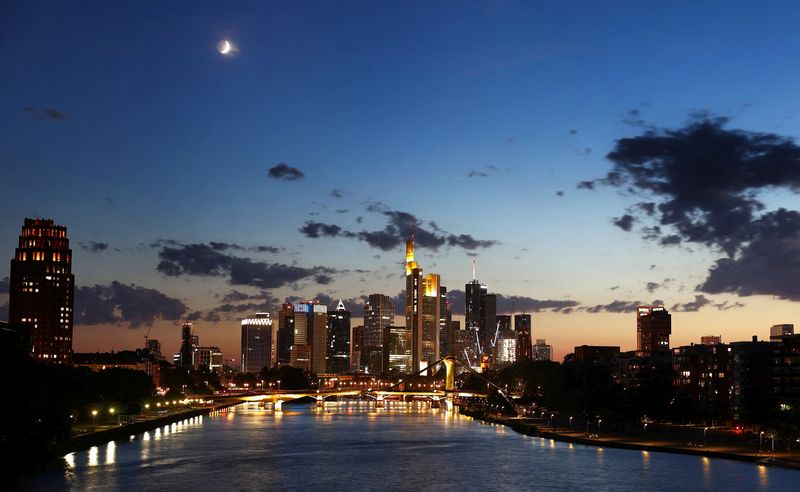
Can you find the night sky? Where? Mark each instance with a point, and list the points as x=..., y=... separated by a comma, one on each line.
x=590, y=155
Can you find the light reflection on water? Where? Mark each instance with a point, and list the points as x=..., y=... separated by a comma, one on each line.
x=399, y=446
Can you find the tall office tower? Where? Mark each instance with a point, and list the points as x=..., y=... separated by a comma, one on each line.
x=378, y=314
x=258, y=343
x=542, y=351
x=504, y=335
x=776, y=332
x=285, y=333
x=480, y=312
x=356, y=346
x=653, y=327
x=397, y=356
x=41, y=291
x=310, y=328
x=431, y=316
x=414, y=291
x=338, y=342
x=445, y=327
x=711, y=339
x=523, y=327
x=186, y=344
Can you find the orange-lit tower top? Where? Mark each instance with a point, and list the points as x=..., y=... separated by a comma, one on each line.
x=410, y=263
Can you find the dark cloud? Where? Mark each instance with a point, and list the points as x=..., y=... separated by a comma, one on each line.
x=397, y=231
x=573, y=131
x=559, y=193
x=625, y=222
x=94, y=246
x=206, y=261
x=620, y=306
x=45, y=114
x=699, y=302
x=285, y=172
x=507, y=304
x=342, y=210
x=477, y=174
x=5, y=285
x=652, y=286
x=704, y=184
x=118, y=303
x=266, y=249
x=337, y=193
x=586, y=185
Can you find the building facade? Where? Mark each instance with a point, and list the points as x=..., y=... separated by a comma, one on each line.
x=653, y=328
x=338, y=340
x=258, y=343
x=41, y=291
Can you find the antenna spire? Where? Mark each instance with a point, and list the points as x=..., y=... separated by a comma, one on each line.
x=413, y=220
x=474, y=268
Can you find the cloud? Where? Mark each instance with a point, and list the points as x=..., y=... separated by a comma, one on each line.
x=586, y=185
x=45, y=114
x=703, y=184
x=337, y=193
x=396, y=231
x=507, y=304
x=118, y=303
x=573, y=131
x=5, y=285
x=204, y=260
x=652, y=286
x=699, y=302
x=285, y=172
x=620, y=306
x=266, y=249
x=625, y=222
x=559, y=193
x=94, y=246
x=477, y=174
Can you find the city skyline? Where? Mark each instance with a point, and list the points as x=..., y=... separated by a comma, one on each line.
x=200, y=181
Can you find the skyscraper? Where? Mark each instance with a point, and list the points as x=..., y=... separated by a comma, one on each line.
x=186, y=345
x=480, y=312
x=310, y=327
x=423, y=310
x=523, y=327
x=378, y=314
x=396, y=350
x=258, y=343
x=356, y=346
x=338, y=341
x=41, y=290
x=431, y=319
x=653, y=328
x=542, y=351
x=285, y=333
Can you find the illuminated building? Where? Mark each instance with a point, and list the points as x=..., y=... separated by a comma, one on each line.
x=186, y=345
x=504, y=341
x=711, y=339
x=750, y=369
x=423, y=310
x=41, y=291
x=378, y=314
x=310, y=332
x=397, y=350
x=700, y=374
x=208, y=357
x=356, y=346
x=480, y=314
x=258, y=343
x=153, y=347
x=338, y=340
x=542, y=351
x=653, y=328
x=523, y=327
x=285, y=333
x=445, y=325
x=776, y=332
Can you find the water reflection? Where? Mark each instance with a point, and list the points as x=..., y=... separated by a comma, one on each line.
x=93, y=456
x=69, y=459
x=111, y=450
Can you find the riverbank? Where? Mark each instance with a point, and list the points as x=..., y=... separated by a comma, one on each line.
x=89, y=439
x=532, y=427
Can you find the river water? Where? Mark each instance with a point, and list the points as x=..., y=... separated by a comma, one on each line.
x=354, y=446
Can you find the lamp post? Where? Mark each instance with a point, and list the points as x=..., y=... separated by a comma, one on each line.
x=645, y=431
x=760, y=441
x=94, y=417
x=599, y=421
x=111, y=411
x=705, y=441
x=550, y=422
x=279, y=385
x=570, y=422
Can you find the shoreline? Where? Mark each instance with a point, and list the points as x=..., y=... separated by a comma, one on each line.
x=526, y=427
x=85, y=441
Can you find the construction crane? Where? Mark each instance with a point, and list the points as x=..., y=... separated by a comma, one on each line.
x=147, y=335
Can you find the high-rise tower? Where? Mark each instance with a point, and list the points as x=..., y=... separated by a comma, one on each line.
x=653, y=328
x=338, y=341
x=258, y=343
x=41, y=290
x=480, y=313
x=423, y=310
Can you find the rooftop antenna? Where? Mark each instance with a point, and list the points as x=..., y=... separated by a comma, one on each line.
x=474, y=268
x=413, y=220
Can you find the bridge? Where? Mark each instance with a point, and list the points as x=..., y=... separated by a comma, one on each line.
x=448, y=394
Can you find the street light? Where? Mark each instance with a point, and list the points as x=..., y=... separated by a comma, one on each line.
x=705, y=441
x=550, y=422
x=599, y=421
x=645, y=431
x=570, y=422
x=760, y=441
x=147, y=406
x=279, y=385
x=94, y=417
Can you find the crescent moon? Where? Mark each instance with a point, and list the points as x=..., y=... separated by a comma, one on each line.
x=226, y=47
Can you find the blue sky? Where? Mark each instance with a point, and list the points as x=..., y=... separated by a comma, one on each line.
x=156, y=135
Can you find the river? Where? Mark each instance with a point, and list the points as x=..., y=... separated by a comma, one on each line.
x=353, y=446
